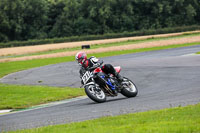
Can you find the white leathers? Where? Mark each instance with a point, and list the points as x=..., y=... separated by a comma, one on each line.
x=94, y=60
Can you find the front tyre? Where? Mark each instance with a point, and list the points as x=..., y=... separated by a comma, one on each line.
x=129, y=88
x=95, y=93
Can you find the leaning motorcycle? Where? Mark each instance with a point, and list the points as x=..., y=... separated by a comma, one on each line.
x=99, y=85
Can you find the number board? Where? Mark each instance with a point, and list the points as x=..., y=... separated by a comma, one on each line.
x=86, y=77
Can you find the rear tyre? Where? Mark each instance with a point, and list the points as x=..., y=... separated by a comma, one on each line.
x=95, y=93
x=129, y=88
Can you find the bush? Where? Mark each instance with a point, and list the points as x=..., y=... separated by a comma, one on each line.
x=97, y=37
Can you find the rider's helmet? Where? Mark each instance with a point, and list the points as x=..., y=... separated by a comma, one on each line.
x=81, y=57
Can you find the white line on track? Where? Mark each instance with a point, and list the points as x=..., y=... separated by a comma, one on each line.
x=7, y=112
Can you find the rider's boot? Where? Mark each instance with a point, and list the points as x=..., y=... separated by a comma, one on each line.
x=119, y=77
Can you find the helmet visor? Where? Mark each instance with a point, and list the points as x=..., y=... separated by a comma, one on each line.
x=80, y=61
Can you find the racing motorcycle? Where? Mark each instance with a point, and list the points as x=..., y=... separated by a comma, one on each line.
x=99, y=85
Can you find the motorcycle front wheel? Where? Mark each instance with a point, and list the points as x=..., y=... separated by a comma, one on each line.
x=129, y=88
x=95, y=93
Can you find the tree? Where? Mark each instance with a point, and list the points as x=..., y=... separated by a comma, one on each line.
x=56, y=8
x=35, y=19
x=65, y=23
x=4, y=26
x=11, y=19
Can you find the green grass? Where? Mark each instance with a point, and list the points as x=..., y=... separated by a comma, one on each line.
x=174, y=120
x=10, y=67
x=105, y=45
x=198, y=52
x=20, y=96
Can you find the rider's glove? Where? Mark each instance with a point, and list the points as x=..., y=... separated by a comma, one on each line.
x=81, y=82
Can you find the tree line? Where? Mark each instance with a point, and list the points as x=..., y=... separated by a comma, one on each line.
x=39, y=19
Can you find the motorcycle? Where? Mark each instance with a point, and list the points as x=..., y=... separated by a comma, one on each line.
x=99, y=85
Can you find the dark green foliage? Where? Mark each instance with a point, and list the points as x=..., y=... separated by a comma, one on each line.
x=23, y=20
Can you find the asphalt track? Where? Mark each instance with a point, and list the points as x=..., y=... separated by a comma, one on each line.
x=165, y=78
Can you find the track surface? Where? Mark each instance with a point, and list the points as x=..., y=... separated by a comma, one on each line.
x=165, y=78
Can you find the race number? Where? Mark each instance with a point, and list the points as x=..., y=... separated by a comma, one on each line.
x=86, y=77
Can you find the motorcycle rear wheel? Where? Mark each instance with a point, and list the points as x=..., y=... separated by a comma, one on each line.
x=129, y=88
x=96, y=94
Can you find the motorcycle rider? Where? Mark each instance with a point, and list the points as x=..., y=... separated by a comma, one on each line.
x=92, y=63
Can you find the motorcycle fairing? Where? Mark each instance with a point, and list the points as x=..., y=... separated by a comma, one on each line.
x=118, y=69
x=97, y=70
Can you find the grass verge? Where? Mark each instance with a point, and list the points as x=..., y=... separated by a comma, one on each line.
x=20, y=96
x=105, y=45
x=174, y=120
x=198, y=52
